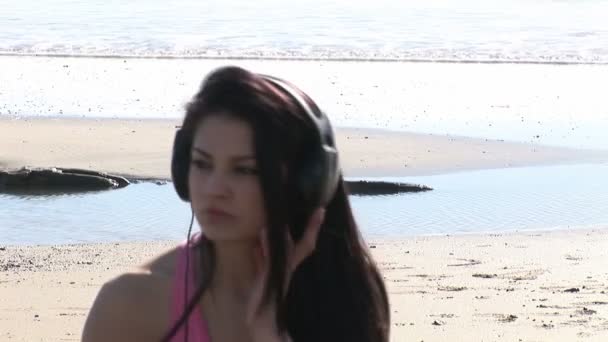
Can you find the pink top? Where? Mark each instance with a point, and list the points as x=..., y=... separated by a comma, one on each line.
x=197, y=329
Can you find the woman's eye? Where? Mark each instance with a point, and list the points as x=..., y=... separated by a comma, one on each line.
x=247, y=170
x=201, y=164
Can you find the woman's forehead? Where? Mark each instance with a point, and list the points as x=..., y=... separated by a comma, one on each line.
x=224, y=135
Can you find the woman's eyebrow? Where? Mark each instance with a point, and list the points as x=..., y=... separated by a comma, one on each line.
x=209, y=156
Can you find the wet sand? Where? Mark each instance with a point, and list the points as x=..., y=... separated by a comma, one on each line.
x=547, y=104
x=142, y=148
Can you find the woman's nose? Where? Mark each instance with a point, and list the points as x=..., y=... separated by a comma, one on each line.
x=217, y=184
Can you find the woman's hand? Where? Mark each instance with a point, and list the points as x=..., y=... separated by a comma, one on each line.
x=261, y=317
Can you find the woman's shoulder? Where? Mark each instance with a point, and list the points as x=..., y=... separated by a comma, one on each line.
x=134, y=305
x=152, y=274
x=162, y=265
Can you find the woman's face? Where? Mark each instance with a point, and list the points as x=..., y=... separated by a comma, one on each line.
x=223, y=181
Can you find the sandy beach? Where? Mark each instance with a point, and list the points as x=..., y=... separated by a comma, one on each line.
x=499, y=107
x=546, y=286
x=142, y=149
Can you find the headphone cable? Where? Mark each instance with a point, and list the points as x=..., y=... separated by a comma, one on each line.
x=186, y=272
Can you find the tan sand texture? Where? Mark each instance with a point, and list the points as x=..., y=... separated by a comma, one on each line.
x=142, y=148
x=534, y=286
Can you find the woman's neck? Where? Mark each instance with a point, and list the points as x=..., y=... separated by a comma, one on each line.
x=234, y=269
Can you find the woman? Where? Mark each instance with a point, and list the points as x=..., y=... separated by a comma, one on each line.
x=279, y=257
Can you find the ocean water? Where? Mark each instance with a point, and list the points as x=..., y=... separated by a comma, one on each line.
x=145, y=59
x=529, y=71
x=565, y=31
x=525, y=199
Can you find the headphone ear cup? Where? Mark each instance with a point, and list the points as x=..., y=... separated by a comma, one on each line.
x=180, y=165
x=319, y=173
x=318, y=176
x=309, y=180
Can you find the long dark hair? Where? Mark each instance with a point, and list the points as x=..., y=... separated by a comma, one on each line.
x=336, y=294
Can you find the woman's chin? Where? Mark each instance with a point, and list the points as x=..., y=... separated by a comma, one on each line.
x=226, y=234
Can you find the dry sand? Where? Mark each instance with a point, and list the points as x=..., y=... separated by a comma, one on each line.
x=499, y=287
x=544, y=286
x=143, y=148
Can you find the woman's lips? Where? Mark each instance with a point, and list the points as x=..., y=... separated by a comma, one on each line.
x=217, y=214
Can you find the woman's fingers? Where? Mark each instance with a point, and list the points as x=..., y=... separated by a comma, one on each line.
x=306, y=245
x=261, y=270
x=261, y=316
x=258, y=258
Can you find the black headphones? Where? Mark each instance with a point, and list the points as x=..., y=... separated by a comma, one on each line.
x=319, y=171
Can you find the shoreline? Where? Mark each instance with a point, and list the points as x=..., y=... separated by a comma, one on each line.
x=141, y=149
x=483, y=100
x=306, y=59
x=529, y=286
x=582, y=229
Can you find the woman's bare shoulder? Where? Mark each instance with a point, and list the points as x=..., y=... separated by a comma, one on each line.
x=134, y=305
x=162, y=265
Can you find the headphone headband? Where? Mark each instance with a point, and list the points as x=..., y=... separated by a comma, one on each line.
x=319, y=171
x=319, y=179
